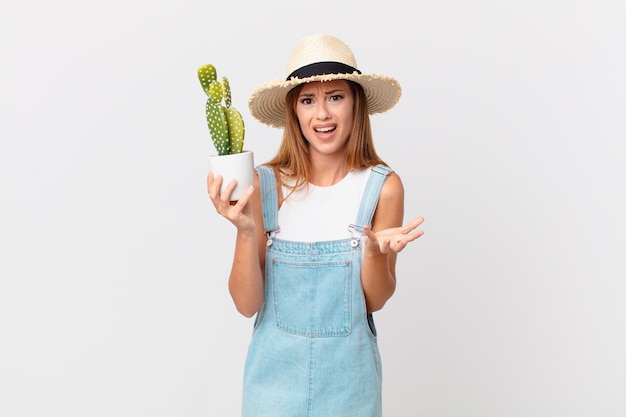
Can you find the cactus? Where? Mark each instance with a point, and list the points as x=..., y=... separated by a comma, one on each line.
x=224, y=121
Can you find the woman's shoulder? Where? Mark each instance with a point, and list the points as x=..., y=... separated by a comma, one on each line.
x=393, y=187
x=393, y=183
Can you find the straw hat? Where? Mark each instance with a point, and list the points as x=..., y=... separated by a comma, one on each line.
x=321, y=58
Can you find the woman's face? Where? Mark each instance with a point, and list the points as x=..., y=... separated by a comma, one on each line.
x=325, y=111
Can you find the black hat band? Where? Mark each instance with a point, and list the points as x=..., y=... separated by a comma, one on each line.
x=322, y=68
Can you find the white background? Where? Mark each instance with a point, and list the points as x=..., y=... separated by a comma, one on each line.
x=509, y=138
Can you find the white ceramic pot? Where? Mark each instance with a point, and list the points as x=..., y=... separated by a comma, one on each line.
x=239, y=166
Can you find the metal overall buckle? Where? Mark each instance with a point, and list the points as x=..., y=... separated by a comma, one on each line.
x=356, y=232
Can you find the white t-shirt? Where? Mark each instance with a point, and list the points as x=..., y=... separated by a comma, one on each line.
x=317, y=214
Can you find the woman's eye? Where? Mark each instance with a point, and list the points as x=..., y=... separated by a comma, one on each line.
x=335, y=97
x=306, y=101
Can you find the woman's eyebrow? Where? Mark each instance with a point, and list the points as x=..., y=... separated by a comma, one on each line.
x=328, y=92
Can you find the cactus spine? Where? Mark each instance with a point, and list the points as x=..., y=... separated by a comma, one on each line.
x=224, y=121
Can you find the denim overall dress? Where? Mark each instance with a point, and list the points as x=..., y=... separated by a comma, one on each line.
x=313, y=351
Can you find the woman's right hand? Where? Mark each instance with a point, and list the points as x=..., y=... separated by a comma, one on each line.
x=237, y=212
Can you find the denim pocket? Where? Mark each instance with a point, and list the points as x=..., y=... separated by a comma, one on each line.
x=313, y=298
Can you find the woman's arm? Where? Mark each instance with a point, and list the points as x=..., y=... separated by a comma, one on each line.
x=246, y=282
x=384, y=240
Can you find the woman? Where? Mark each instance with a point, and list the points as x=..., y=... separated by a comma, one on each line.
x=317, y=239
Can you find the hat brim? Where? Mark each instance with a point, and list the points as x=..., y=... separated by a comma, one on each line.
x=267, y=102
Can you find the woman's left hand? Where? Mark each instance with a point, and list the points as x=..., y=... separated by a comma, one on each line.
x=395, y=238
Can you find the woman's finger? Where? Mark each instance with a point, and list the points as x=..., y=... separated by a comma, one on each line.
x=228, y=191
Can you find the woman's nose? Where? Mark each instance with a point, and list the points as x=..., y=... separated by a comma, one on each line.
x=322, y=111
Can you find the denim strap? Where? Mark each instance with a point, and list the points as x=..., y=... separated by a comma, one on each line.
x=371, y=195
x=269, y=195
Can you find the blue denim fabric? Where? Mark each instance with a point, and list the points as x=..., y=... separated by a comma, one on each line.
x=313, y=351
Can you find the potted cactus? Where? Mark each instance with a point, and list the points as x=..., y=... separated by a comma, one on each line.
x=227, y=131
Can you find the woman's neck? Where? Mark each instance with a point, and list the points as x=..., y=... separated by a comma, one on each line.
x=328, y=172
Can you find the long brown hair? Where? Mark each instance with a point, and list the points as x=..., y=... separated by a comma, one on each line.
x=292, y=161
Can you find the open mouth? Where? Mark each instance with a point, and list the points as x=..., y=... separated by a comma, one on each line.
x=325, y=129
